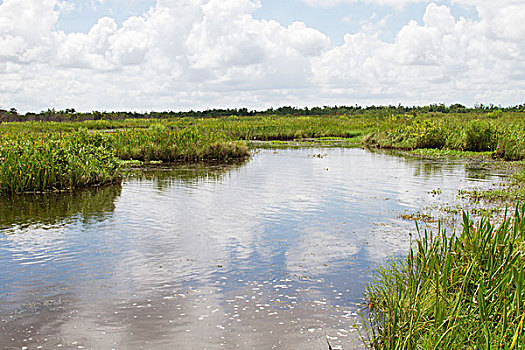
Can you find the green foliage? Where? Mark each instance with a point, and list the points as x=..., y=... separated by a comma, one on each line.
x=54, y=161
x=162, y=143
x=51, y=160
x=98, y=142
x=504, y=135
x=453, y=292
x=479, y=136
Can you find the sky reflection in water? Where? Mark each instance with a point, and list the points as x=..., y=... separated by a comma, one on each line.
x=270, y=254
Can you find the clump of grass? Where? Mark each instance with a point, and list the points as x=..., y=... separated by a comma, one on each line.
x=458, y=292
x=162, y=143
x=31, y=162
x=503, y=135
x=479, y=136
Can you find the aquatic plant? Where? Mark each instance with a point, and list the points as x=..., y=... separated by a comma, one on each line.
x=463, y=291
x=162, y=143
x=55, y=161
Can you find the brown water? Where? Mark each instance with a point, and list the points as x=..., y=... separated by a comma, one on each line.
x=272, y=254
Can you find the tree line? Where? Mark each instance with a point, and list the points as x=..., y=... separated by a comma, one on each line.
x=70, y=114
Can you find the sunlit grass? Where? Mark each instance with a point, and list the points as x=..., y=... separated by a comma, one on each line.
x=453, y=292
x=54, y=161
x=42, y=156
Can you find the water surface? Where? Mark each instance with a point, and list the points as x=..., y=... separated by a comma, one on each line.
x=270, y=254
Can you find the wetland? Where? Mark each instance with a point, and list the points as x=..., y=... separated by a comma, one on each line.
x=273, y=252
x=160, y=231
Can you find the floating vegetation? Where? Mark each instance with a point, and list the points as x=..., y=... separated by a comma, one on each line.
x=419, y=216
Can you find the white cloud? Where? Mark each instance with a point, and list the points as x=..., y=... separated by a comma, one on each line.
x=443, y=59
x=213, y=53
x=392, y=3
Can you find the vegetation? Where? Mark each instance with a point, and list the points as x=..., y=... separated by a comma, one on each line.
x=38, y=161
x=86, y=149
x=162, y=143
x=500, y=133
x=53, y=161
x=454, y=292
x=71, y=115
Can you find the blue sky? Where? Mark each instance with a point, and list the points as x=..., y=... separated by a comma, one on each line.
x=335, y=21
x=193, y=54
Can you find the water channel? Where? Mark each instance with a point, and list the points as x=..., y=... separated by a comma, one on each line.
x=271, y=254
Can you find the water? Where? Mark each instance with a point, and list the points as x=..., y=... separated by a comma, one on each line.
x=270, y=254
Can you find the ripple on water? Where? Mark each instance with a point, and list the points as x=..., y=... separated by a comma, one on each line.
x=270, y=254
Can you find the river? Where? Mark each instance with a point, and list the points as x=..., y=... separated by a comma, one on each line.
x=270, y=254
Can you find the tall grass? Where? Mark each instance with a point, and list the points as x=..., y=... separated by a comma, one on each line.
x=54, y=161
x=162, y=143
x=453, y=292
x=42, y=156
x=36, y=161
x=503, y=134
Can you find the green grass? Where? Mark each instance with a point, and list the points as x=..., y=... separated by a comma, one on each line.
x=38, y=161
x=464, y=291
x=502, y=135
x=436, y=153
x=44, y=156
x=160, y=143
x=54, y=161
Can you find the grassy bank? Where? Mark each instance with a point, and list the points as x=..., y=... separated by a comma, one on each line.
x=37, y=161
x=160, y=143
x=500, y=133
x=453, y=292
x=43, y=156
x=54, y=161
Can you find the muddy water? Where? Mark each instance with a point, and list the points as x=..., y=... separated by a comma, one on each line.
x=271, y=254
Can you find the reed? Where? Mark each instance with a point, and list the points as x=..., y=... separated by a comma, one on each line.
x=43, y=156
x=453, y=292
x=503, y=134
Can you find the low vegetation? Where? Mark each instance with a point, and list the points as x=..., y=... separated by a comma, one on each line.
x=463, y=291
x=499, y=133
x=85, y=149
x=56, y=161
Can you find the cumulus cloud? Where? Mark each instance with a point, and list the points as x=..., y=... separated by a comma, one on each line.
x=443, y=58
x=214, y=53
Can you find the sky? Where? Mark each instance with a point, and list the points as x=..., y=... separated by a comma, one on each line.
x=157, y=55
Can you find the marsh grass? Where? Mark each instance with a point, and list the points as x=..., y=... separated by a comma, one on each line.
x=36, y=161
x=504, y=136
x=53, y=161
x=463, y=291
x=161, y=143
x=46, y=156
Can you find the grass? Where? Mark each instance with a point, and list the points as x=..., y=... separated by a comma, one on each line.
x=47, y=156
x=463, y=291
x=160, y=143
x=502, y=135
x=53, y=161
x=436, y=153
